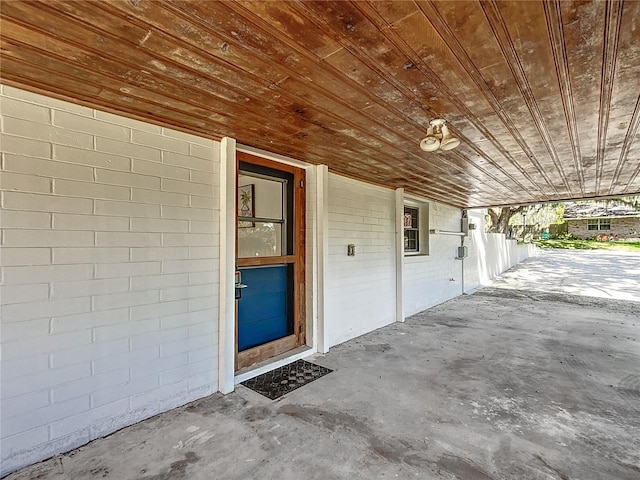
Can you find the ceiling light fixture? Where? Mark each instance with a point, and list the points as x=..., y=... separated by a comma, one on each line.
x=438, y=137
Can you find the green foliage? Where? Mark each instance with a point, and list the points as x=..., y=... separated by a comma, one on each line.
x=566, y=236
x=578, y=244
x=632, y=201
x=539, y=214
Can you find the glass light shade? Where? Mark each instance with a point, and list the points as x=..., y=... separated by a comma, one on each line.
x=448, y=142
x=430, y=144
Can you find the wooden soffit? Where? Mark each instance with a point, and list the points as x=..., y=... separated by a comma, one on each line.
x=544, y=95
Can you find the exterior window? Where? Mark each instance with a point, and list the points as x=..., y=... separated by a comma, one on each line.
x=411, y=229
x=599, y=224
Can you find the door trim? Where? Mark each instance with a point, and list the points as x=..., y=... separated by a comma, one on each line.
x=267, y=350
x=271, y=349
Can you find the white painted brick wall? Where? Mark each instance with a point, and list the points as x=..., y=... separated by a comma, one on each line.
x=361, y=289
x=490, y=254
x=109, y=264
x=109, y=273
x=435, y=278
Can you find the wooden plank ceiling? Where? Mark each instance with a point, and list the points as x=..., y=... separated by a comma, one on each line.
x=544, y=95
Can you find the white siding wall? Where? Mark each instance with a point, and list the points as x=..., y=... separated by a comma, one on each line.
x=109, y=273
x=360, y=290
x=432, y=279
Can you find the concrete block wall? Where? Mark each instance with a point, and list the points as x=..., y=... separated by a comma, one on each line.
x=437, y=277
x=490, y=254
x=110, y=275
x=360, y=290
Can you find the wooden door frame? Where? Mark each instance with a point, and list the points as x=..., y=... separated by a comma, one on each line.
x=271, y=349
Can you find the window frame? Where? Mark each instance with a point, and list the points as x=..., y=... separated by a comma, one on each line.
x=414, y=213
x=422, y=229
x=604, y=224
x=598, y=224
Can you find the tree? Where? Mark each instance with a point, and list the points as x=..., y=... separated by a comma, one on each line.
x=541, y=215
x=633, y=201
x=538, y=214
x=500, y=217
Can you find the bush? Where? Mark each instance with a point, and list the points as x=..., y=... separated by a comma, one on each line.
x=565, y=236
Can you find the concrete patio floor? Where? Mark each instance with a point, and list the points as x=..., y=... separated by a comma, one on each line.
x=527, y=379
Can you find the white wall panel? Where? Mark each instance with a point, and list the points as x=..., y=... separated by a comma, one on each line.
x=109, y=273
x=360, y=290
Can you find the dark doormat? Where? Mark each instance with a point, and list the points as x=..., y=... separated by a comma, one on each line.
x=285, y=379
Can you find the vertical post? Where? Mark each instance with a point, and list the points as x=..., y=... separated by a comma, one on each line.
x=322, y=219
x=226, y=309
x=399, y=221
x=524, y=227
x=465, y=229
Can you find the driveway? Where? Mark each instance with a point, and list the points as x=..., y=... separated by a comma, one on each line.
x=591, y=273
x=528, y=379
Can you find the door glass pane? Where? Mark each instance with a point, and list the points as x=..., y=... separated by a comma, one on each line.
x=259, y=239
x=260, y=197
x=261, y=216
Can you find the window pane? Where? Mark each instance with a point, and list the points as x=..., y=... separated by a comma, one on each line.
x=605, y=224
x=410, y=217
x=592, y=224
x=260, y=197
x=411, y=240
x=259, y=239
x=411, y=231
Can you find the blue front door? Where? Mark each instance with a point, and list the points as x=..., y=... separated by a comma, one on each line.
x=264, y=311
x=270, y=257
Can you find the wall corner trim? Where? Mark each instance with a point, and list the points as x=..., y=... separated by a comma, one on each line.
x=399, y=217
x=322, y=218
x=226, y=317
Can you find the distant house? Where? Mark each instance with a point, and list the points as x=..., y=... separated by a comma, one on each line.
x=605, y=221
